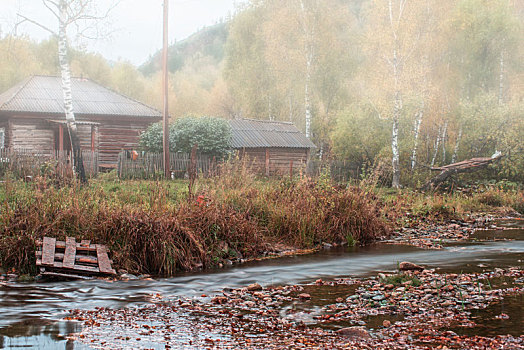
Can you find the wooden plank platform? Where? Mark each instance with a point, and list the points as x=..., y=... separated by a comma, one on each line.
x=70, y=253
x=48, y=251
x=70, y=259
x=103, y=260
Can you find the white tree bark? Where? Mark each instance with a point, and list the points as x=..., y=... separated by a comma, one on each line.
x=396, y=154
x=397, y=108
x=444, y=138
x=437, y=146
x=309, y=33
x=65, y=73
x=418, y=122
x=457, y=145
x=501, y=78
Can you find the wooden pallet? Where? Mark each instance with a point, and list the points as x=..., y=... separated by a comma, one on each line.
x=72, y=259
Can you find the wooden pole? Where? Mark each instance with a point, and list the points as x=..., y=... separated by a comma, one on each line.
x=165, y=82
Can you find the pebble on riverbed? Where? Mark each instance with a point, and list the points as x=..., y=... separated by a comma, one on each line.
x=257, y=319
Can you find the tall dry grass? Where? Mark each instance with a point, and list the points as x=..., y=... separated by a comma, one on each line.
x=161, y=232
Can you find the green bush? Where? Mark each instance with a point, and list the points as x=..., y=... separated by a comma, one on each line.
x=212, y=135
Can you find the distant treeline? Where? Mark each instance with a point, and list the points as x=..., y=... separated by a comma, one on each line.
x=420, y=82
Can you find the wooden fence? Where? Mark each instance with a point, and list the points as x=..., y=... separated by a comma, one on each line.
x=23, y=163
x=151, y=165
x=337, y=170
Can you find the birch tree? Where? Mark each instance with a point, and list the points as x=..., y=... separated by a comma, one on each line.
x=84, y=16
x=391, y=42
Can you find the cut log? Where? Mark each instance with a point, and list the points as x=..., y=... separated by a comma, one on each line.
x=466, y=166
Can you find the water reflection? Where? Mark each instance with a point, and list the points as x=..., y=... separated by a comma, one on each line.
x=27, y=310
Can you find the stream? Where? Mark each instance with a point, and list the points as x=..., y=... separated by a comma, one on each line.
x=30, y=313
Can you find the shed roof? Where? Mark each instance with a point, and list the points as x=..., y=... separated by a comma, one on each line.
x=43, y=94
x=249, y=133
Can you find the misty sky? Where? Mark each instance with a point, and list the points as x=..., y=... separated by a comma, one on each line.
x=136, y=24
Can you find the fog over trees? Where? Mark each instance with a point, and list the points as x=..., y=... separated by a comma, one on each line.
x=409, y=83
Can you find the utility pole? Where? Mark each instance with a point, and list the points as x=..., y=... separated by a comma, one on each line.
x=165, y=82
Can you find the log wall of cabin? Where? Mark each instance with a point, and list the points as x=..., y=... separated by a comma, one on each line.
x=86, y=138
x=4, y=124
x=31, y=134
x=279, y=162
x=115, y=136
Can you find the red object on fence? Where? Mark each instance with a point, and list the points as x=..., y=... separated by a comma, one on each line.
x=134, y=155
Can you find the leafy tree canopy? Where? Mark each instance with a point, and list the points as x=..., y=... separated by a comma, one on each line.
x=211, y=135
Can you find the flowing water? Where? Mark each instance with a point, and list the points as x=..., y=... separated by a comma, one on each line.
x=30, y=312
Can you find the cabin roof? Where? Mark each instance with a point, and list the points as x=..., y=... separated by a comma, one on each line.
x=250, y=133
x=43, y=94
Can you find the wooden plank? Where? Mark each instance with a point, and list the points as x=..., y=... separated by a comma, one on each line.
x=82, y=268
x=65, y=275
x=90, y=248
x=82, y=259
x=48, y=251
x=103, y=259
x=85, y=243
x=70, y=252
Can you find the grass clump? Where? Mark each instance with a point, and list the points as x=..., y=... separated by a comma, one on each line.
x=401, y=278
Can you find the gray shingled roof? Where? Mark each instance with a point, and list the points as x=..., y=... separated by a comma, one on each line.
x=43, y=94
x=249, y=133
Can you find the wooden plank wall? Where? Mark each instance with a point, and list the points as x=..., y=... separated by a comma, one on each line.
x=279, y=159
x=31, y=134
x=117, y=136
x=5, y=124
x=84, y=135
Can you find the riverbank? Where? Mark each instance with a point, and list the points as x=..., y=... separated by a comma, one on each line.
x=158, y=228
x=166, y=305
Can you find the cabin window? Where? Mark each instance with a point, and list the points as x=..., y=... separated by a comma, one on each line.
x=2, y=138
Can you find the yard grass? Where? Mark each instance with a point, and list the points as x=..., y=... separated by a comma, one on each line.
x=157, y=227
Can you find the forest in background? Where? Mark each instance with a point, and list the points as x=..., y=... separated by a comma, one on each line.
x=421, y=82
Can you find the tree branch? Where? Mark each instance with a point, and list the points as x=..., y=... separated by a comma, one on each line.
x=25, y=19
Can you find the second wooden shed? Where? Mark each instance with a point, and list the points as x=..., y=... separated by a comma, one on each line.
x=275, y=148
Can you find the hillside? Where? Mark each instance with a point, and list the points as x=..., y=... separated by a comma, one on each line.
x=209, y=41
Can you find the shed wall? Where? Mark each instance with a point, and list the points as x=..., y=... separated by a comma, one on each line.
x=115, y=136
x=31, y=134
x=280, y=159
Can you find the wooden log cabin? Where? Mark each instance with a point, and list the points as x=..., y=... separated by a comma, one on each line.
x=274, y=148
x=32, y=118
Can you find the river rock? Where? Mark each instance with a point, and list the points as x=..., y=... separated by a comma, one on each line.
x=128, y=276
x=354, y=332
x=409, y=266
x=254, y=287
x=304, y=296
x=379, y=297
x=219, y=300
x=386, y=323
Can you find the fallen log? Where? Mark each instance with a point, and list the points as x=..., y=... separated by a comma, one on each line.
x=466, y=166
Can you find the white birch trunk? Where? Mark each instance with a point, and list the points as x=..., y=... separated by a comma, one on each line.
x=395, y=161
x=457, y=145
x=444, y=138
x=501, y=78
x=418, y=121
x=270, y=108
x=65, y=73
x=309, y=56
x=396, y=155
x=437, y=146
x=307, y=100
